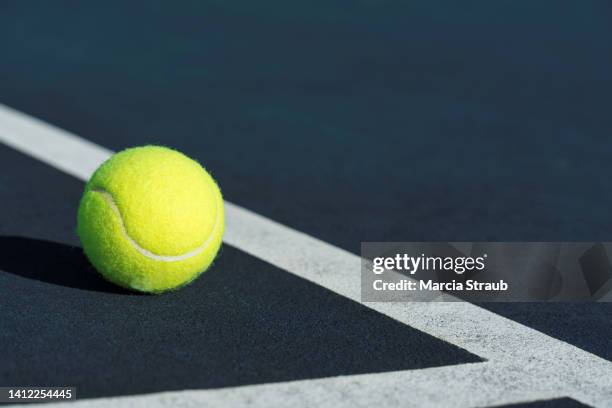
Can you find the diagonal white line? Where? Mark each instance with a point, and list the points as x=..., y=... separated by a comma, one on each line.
x=477, y=330
x=549, y=366
x=49, y=144
x=466, y=385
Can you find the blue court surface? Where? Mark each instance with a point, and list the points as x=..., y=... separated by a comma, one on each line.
x=326, y=124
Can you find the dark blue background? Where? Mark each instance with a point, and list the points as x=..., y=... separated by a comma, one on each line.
x=376, y=120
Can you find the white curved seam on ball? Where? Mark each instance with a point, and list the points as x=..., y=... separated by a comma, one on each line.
x=145, y=252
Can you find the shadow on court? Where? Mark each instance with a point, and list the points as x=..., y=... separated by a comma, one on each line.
x=52, y=262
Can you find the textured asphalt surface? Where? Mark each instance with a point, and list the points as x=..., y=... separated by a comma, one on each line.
x=244, y=322
x=349, y=121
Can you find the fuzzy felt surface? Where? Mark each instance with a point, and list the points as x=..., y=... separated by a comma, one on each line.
x=151, y=219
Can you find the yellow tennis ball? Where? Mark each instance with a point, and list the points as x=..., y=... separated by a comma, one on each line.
x=151, y=219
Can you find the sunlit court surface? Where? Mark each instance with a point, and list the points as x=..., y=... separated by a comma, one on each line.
x=326, y=125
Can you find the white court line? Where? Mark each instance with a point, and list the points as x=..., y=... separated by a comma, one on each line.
x=49, y=144
x=531, y=364
x=465, y=385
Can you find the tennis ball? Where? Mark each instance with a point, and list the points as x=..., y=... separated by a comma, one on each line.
x=151, y=219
